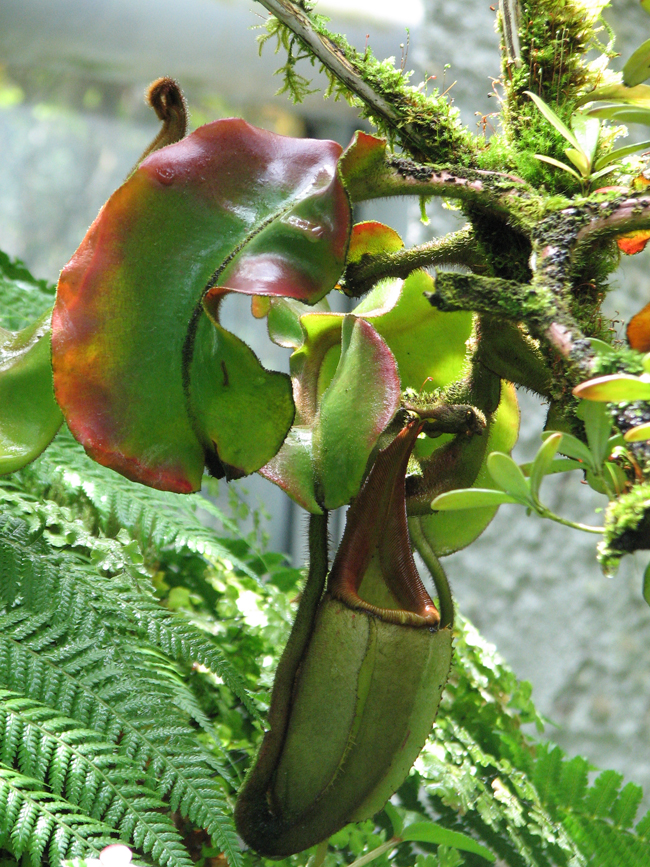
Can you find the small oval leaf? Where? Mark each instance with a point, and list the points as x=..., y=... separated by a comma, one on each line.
x=508, y=476
x=471, y=498
x=572, y=447
x=543, y=461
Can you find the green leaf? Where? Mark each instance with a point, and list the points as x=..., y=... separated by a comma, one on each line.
x=615, y=479
x=600, y=174
x=543, y=462
x=324, y=457
x=396, y=820
x=600, y=346
x=614, y=388
x=637, y=67
x=560, y=465
x=508, y=476
x=471, y=498
x=29, y=415
x=553, y=119
x=619, y=154
x=622, y=113
x=579, y=160
x=639, y=95
x=587, y=132
x=558, y=165
x=598, y=426
x=646, y=584
x=161, y=392
x=404, y=318
x=573, y=447
x=431, y=832
x=361, y=399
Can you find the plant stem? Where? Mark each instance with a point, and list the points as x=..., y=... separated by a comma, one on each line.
x=456, y=248
x=335, y=60
x=371, y=856
x=543, y=512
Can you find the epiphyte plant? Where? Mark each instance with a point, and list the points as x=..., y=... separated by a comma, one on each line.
x=402, y=406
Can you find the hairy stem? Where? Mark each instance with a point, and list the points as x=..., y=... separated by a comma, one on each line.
x=457, y=248
x=391, y=108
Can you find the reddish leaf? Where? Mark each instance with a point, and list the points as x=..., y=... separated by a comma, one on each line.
x=633, y=242
x=638, y=330
x=148, y=383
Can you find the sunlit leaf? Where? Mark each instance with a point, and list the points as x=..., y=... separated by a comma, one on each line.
x=431, y=832
x=638, y=329
x=542, y=462
x=161, y=391
x=633, y=242
x=508, y=476
x=638, y=96
x=587, y=131
x=553, y=119
x=638, y=434
x=405, y=319
x=621, y=113
x=637, y=68
x=472, y=498
x=579, y=160
x=371, y=238
x=614, y=388
x=29, y=415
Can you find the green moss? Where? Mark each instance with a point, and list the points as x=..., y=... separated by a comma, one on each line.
x=428, y=118
x=627, y=526
x=620, y=360
x=555, y=36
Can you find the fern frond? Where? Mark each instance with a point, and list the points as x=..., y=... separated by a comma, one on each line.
x=86, y=651
x=35, y=821
x=23, y=298
x=78, y=765
x=156, y=520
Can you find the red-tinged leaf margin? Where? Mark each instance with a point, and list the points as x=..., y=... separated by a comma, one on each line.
x=229, y=208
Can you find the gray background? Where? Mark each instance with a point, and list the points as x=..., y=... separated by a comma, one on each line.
x=72, y=123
